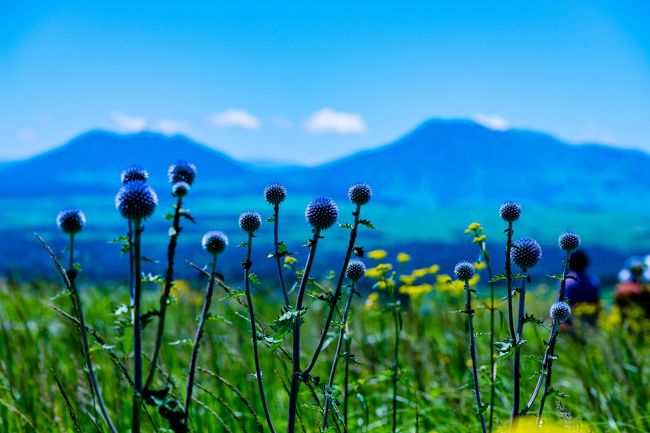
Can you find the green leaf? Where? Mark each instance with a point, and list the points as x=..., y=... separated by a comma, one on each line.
x=367, y=224
x=254, y=279
x=148, y=260
x=345, y=226
x=243, y=244
x=234, y=294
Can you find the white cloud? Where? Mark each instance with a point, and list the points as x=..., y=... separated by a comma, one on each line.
x=492, y=121
x=234, y=117
x=327, y=120
x=27, y=135
x=128, y=123
x=170, y=127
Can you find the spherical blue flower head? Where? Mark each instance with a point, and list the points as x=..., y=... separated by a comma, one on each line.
x=70, y=221
x=355, y=270
x=136, y=200
x=275, y=194
x=569, y=241
x=180, y=189
x=510, y=211
x=525, y=253
x=214, y=242
x=560, y=311
x=321, y=213
x=360, y=193
x=182, y=171
x=250, y=221
x=464, y=271
x=135, y=172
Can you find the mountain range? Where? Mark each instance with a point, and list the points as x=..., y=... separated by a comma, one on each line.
x=442, y=168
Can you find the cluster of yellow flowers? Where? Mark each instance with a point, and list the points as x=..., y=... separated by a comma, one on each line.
x=411, y=284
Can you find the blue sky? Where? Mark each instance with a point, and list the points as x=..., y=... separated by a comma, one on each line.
x=306, y=83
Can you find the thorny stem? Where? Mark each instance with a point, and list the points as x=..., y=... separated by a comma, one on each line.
x=137, y=329
x=296, y=376
x=251, y=312
x=69, y=278
x=472, y=349
x=276, y=216
x=511, y=322
x=131, y=272
x=197, y=339
x=337, y=292
x=486, y=257
x=346, y=377
x=516, y=369
x=549, y=354
x=164, y=298
x=396, y=320
x=337, y=355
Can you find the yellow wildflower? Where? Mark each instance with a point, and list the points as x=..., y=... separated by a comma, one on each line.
x=378, y=271
x=479, y=239
x=288, y=260
x=433, y=269
x=377, y=254
x=407, y=279
x=415, y=291
x=372, y=302
x=480, y=266
x=403, y=258
x=473, y=227
x=419, y=273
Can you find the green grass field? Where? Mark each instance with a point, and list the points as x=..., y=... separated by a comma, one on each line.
x=600, y=376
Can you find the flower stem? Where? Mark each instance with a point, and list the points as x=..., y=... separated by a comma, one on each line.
x=337, y=292
x=516, y=369
x=85, y=349
x=511, y=320
x=346, y=377
x=164, y=298
x=276, y=243
x=472, y=349
x=296, y=376
x=396, y=320
x=251, y=312
x=337, y=355
x=137, y=329
x=493, y=377
x=197, y=339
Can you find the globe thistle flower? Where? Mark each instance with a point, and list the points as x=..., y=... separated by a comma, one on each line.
x=70, y=221
x=526, y=253
x=250, y=221
x=180, y=189
x=136, y=200
x=135, y=172
x=560, y=311
x=569, y=241
x=464, y=271
x=355, y=270
x=510, y=211
x=360, y=193
x=182, y=171
x=275, y=194
x=214, y=242
x=321, y=213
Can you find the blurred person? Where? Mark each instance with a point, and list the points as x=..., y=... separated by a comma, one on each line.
x=582, y=289
x=631, y=293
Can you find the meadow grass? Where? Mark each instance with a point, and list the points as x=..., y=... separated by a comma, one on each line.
x=600, y=376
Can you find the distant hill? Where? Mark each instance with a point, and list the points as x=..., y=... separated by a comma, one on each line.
x=92, y=162
x=461, y=162
x=427, y=186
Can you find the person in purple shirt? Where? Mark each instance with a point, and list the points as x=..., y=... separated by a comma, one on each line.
x=582, y=289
